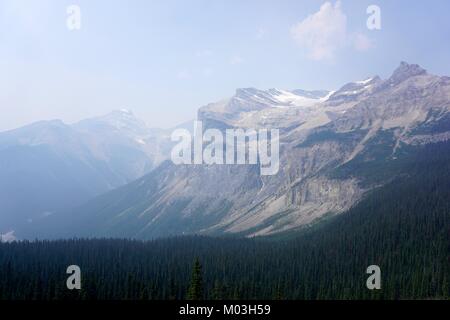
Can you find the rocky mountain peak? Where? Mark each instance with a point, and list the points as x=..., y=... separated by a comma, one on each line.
x=405, y=71
x=118, y=117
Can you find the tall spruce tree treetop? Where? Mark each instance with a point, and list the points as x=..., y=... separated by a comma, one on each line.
x=195, y=291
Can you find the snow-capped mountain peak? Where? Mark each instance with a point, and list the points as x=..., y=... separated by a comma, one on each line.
x=118, y=120
x=251, y=99
x=354, y=90
x=299, y=97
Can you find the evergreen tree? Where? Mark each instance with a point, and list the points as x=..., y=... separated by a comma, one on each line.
x=195, y=291
x=217, y=292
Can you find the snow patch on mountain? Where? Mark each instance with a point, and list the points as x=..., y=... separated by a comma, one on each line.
x=288, y=98
x=364, y=81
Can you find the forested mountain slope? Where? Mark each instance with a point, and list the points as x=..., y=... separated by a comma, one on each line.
x=403, y=227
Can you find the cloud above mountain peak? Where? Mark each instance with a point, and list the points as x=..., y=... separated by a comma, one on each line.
x=324, y=33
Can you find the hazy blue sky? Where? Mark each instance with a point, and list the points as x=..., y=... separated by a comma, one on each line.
x=164, y=59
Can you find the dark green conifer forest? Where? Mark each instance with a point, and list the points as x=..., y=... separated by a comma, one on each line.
x=403, y=227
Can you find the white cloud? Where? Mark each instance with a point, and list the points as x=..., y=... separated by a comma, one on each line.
x=323, y=33
x=236, y=60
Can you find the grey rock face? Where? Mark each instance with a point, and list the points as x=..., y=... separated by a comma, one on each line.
x=329, y=143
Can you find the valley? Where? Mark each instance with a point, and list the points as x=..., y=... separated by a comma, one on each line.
x=333, y=153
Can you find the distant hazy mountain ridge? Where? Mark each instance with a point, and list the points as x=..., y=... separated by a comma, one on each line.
x=50, y=166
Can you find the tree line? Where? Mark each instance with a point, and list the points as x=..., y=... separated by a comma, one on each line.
x=402, y=227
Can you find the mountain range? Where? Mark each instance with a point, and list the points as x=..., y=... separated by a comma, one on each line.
x=111, y=176
x=49, y=166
